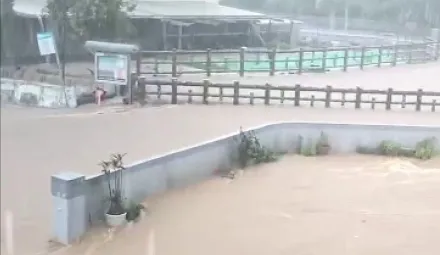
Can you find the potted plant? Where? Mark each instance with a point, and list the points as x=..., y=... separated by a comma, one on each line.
x=323, y=146
x=113, y=170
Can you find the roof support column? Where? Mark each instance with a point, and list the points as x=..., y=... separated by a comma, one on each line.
x=269, y=32
x=249, y=35
x=226, y=28
x=294, y=34
x=164, y=34
x=179, y=39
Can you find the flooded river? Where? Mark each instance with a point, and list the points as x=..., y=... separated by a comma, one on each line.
x=334, y=205
x=270, y=204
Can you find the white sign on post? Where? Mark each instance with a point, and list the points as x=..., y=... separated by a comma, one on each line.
x=46, y=43
x=112, y=68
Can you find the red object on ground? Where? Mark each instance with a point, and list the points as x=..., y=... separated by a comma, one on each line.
x=103, y=93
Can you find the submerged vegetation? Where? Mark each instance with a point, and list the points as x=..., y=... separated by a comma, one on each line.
x=424, y=149
x=250, y=151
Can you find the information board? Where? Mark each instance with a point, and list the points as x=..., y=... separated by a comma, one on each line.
x=46, y=43
x=111, y=68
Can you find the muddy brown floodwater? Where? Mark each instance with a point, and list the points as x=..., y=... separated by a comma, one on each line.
x=347, y=204
x=37, y=143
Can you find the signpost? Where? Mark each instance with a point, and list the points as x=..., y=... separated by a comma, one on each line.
x=112, y=64
x=46, y=43
x=47, y=47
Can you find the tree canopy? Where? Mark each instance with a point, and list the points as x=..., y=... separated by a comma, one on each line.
x=93, y=19
x=7, y=15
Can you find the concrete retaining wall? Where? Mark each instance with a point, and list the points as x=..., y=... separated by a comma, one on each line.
x=37, y=94
x=78, y=200
x=40, y=94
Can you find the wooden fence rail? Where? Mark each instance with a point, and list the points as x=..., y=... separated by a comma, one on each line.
x=176, y=89
x=293, y=61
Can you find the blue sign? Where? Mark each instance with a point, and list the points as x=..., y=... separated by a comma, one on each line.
x=46, y=43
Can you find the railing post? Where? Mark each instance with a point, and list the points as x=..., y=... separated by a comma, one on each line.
x=173, y=91
x=142, y=91
x=156, y=66
x=242, y=50
x=437, y=50
x=300, y=60
x=346, y=52
x=419, y=100
x=236, y=93
x=362, y=58
x=396, y=52
x=324, y=59
x=138, y=64
x=357, y=104
x=272, y=61
x=379, y=60
x=410, y=53
x=297, y=94
x=267, y=94
x=190, y=99
x=205, y=91
x=208, y=62
x=328, y=96
x=174, y=63
x=389, y=99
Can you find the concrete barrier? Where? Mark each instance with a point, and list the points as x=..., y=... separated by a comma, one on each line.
x=40, y=94
x=37, y=94
x=78, y=199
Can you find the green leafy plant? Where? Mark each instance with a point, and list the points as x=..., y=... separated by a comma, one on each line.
x=94, y=19
x=134, y=211
x=426, y=149
x=250, y=150
x=309, y=149
x=366, y=150
x=299, y=145
x=323, y=145
x=113, y=170
x=389, y=148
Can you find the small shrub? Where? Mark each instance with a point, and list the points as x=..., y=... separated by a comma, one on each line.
x=366, y=150
x=250, y=150
x=309, y=149
x=299, y=146
x=426, y=149
x=134, y=211
x=323, y=145
x=389, y=148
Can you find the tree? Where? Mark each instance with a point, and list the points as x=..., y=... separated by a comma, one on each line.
x=95, y=19
x=106, y=20
x=7, y=16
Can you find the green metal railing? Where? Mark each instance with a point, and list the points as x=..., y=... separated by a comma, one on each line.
x=245, y=60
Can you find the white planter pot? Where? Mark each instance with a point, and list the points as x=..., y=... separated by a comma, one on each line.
x=115, y=220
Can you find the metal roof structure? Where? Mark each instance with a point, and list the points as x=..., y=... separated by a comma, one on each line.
x=157, y=9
